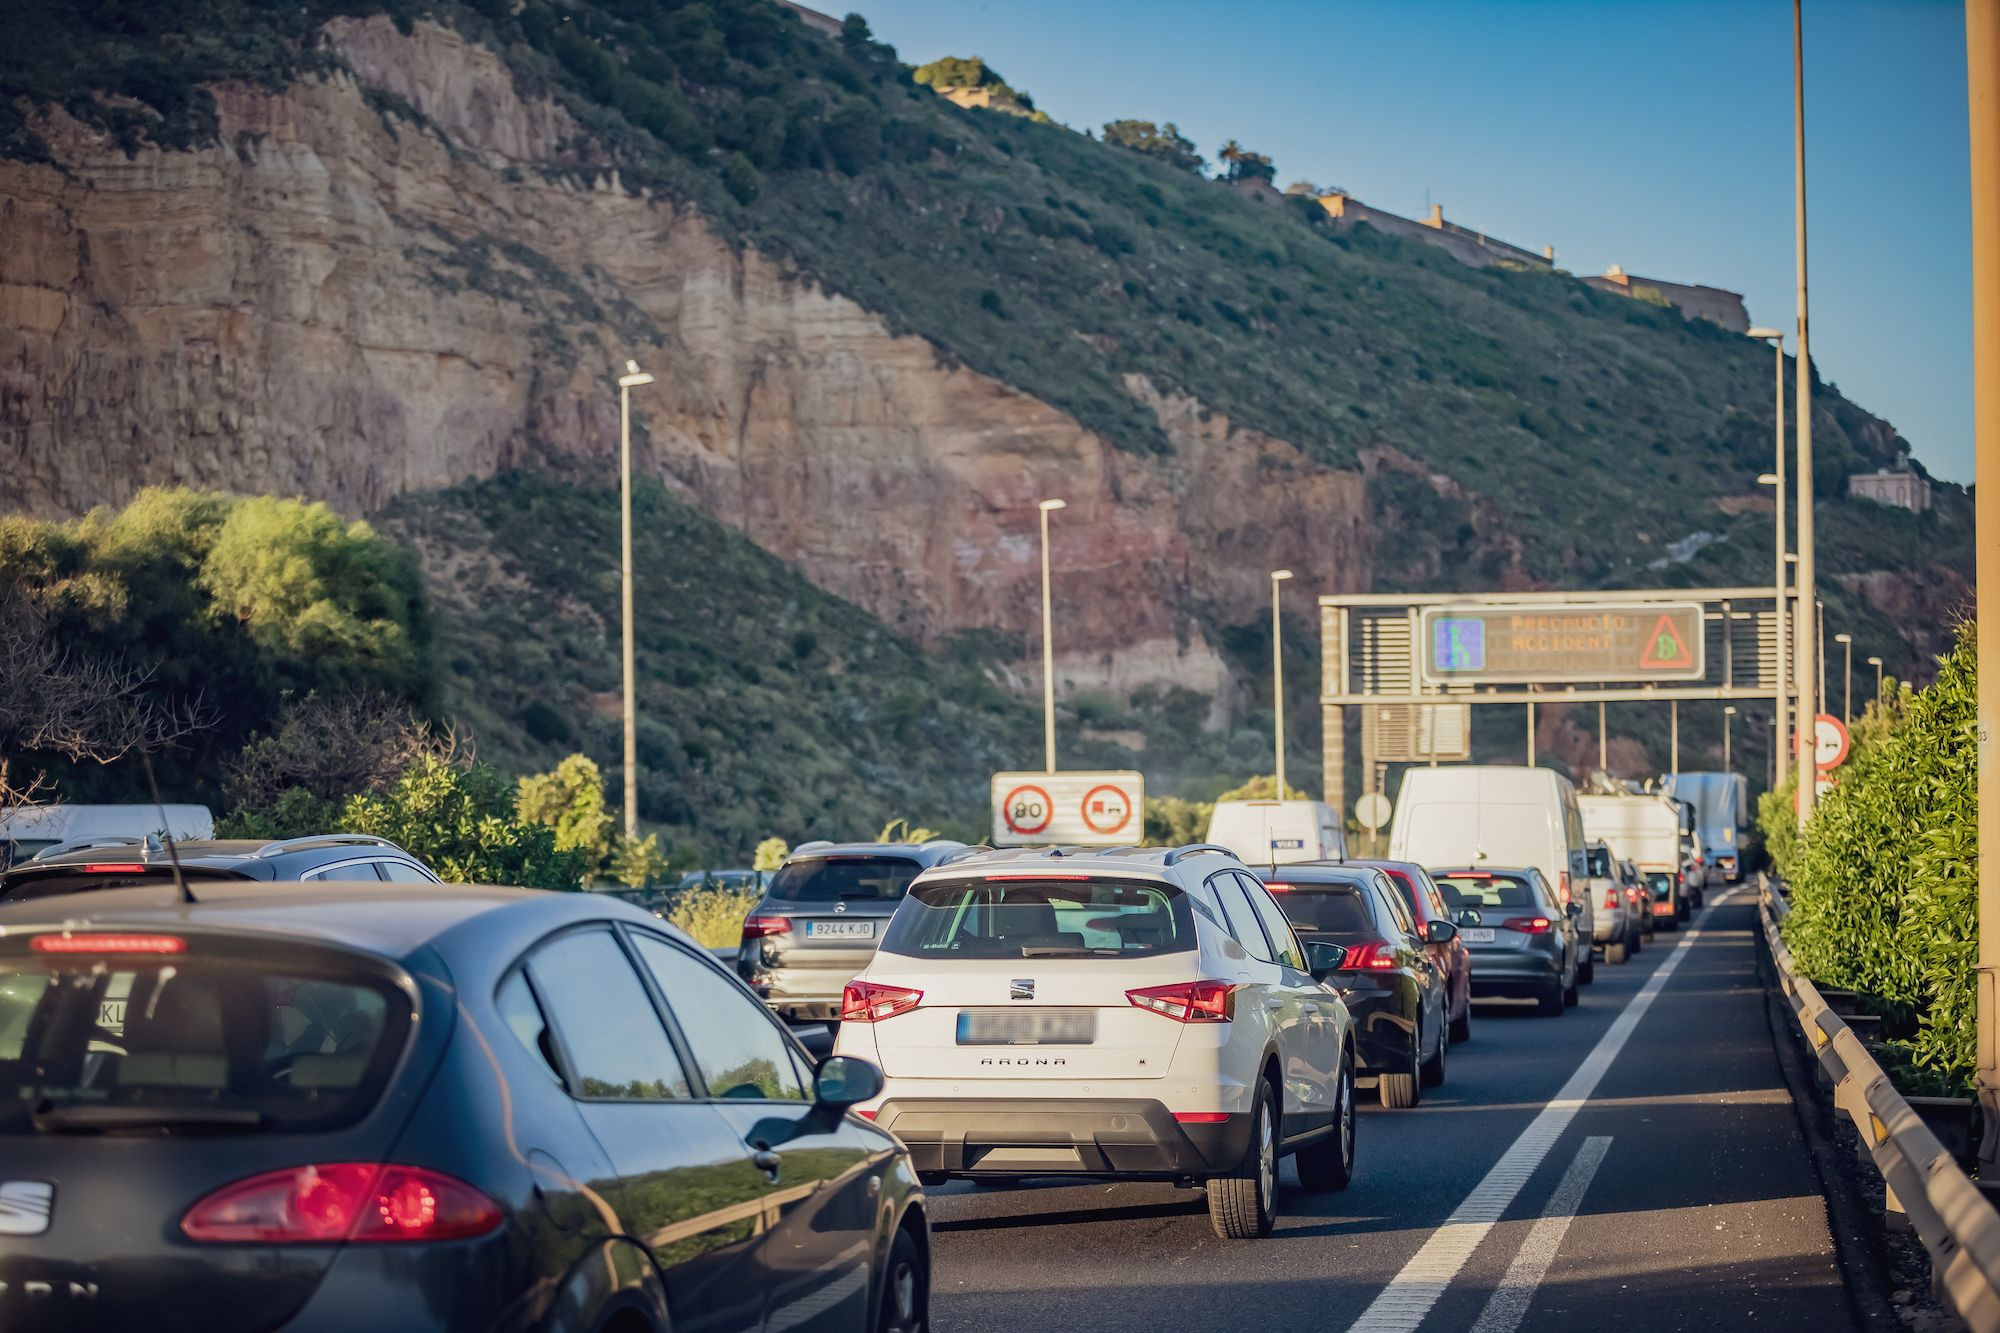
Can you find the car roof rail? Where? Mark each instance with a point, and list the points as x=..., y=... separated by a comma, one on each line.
x=324, y=840
x=815, y=845
x=962, y=852
x=1179, y=854
x=86, y=844
x=942, y=842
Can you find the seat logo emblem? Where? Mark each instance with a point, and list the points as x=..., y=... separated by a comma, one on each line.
x=1021, y=988
x=25, y=1206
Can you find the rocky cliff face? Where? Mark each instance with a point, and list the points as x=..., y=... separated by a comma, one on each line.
x=409, y=274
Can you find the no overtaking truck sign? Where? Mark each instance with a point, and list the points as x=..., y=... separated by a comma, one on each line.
x=1091, y=809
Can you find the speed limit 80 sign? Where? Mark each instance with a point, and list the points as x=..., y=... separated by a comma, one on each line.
x=1088, y=809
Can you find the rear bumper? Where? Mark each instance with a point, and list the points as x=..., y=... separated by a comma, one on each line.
x=1061, y=1136
x=1513, y=974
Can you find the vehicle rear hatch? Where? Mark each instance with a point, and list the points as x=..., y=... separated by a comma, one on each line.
x=1029, y=976
x=838, y=906
x=1499, y=900
x=141, y=1071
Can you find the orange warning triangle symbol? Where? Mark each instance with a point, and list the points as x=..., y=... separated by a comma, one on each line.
x=1665, y=647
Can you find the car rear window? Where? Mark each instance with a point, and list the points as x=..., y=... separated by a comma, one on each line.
x=832, y=879
x=192, y=1041
x=23, y=885
x=1600, y=862
x=1661, y=883
x=1041, y=918
x=1463, y=890
x=1335, y=908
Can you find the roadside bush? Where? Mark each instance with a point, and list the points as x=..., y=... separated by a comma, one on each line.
x=461, y=821
x=714, y=916
x=1884, y=878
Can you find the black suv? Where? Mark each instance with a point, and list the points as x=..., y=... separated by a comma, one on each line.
x=116, y=863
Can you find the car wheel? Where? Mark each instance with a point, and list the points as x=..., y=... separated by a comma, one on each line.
x=1432, y=1072
x=1398, y=1090
x=1243, y=1205
x=1329, y=1164
x=1614, y=953
x=1586, y=971
x=1461, y=1027
x=1569, y=992
x=1550, y=1002
x=906, y=1288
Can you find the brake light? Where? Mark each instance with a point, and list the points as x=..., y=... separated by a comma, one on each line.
x=1189, y=1001
x=342, y=1201
x=1371, y=956
x=1611, y=898
x=107, y=944
x=1528, y=925
x=1563, y=879
x=115, y=868
x=1201, y=1117
x=1008, y=879
x=757, y=927
x=1279, y=888
x=873, y=1001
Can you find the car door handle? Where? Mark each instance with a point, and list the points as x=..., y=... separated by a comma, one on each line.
x=766, y=1161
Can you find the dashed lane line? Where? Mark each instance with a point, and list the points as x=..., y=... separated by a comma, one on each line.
x=1401, y=1306
x=1508, y=1305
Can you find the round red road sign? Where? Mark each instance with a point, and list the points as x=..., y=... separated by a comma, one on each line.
x=1027, y=809
x=1106, y=808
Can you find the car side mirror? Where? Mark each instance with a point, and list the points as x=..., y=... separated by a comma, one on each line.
x=817, y=1038
x=1439, y=932
x=1323, y=958
x=845, y=1081
x=1470, y=917
x=1574, y=909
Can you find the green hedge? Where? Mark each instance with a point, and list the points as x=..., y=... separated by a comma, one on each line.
x=1884, y=888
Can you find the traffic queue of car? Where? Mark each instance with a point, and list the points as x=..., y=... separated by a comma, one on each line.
x=365, y=1098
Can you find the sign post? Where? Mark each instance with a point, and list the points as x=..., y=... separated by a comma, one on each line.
x=1062, y=809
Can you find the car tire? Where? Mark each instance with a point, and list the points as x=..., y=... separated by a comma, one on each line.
x=1586, y=972
x=1570, y=996
x=1243, y=1205
x=1431, y=1072
x=906, y=1288
x=1461, y=1027
x=1329, y=1164
x=1550, y=1003
x=1614, y=953
x=1399, y=1090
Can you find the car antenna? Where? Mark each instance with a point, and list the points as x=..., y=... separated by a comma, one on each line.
x=166, y=833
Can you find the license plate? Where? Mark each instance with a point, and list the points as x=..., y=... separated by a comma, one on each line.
x=840, y=930
x=1477, y=934
x=1043, y=1027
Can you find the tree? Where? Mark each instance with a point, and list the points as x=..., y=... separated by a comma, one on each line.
x=460, y=820
x=899, y=830
x=770, y=854
x=332, y=746
x=570, y=800
x=1162, y=142
x=1263, y=787
x=957, y=72
x=1240, y=164
x=639, y=862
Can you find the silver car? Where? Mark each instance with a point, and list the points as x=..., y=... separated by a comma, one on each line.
x=822, y=916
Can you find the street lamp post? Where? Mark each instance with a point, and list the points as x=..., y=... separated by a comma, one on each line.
x=1278, y=577
x=1809, y=699
x=1728, y=719
x=1776, y=480
x=1876, y=662
x=630, y=380
x=1846, y=642
x=1048, y=648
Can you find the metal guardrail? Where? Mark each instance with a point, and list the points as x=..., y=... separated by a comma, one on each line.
x=1948, y=1212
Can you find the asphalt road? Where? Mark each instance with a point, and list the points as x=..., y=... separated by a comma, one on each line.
x=1560, y=1179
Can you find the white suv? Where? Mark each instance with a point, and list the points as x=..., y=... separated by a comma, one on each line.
x=1133, y=1013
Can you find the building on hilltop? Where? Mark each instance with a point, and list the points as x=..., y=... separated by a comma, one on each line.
x=1461, y=243
x=825, y=24
x=1696, y=302
x=1901, y=486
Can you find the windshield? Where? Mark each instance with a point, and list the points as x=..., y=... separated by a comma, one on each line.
x=1040, y=918
x=832, y=879
x=183, y=1040
x=1600, y=863
x=1332, y=908
x=1487, y=891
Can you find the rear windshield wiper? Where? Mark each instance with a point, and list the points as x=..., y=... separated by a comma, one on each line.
x=73, y=1119
x=1066, y=951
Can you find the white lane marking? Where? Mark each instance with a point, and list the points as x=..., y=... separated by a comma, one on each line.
x=1402, y=1305
x=1509, y=1303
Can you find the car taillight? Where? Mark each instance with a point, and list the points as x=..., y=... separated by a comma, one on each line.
x=1611, y=899
x=115, y=868
x=1563, y=881
x=1189, y=1001
x=1369, y=956
x=757, y=927
x=1279, y=888
x=1201, y=1117
x=342, y=1201
x=107, y=944
x=873, y=1001
x=1528, y=925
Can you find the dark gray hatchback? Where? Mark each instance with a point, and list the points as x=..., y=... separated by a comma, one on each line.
x=414, y=1107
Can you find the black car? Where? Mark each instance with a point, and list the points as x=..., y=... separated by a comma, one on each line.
x=92, y=864
x=424, y=1107
x=1398, y=998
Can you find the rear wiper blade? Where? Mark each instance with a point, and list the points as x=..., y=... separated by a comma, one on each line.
x=112, y=1119
x=1064, y=951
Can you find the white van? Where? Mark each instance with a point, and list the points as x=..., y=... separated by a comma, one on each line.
x=27, y=830
x=1275, y=833
x=1499, y=816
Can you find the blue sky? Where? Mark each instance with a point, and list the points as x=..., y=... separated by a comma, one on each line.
x=1650, y=133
